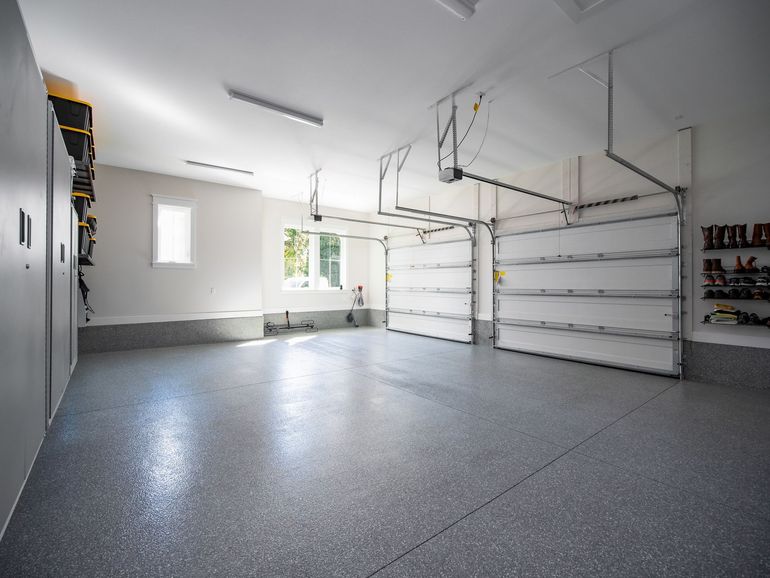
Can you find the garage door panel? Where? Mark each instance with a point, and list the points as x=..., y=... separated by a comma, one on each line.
x=456, y=304
x=431, y=278
x=640, y=274
x=444, y=328
x=659, y=233
x=449, y=252
x=604, y=293
x=633, y=352
x=429, y=290
x=645, y=314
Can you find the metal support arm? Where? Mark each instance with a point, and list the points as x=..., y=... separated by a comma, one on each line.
x=360, y=237
x=384, y=165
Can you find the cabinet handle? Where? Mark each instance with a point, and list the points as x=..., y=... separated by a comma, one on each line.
x=61, y=246
x=22, y=227
x=29, y=231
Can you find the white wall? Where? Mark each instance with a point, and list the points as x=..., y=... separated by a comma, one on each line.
x=125, y=288
x=731, y=172
x=278, y=213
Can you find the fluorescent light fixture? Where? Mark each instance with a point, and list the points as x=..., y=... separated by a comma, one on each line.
x=282, y=110
x=463, y=9
x=221, y=168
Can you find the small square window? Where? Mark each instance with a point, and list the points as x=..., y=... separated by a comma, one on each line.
x=173, y=232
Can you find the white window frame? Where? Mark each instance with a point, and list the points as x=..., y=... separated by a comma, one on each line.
x=315, y=262
x=178, y=202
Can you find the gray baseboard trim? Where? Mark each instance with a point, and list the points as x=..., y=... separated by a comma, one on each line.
x=483, y=333
x=101, y=338
x=377, y=318
x=336, y=319
x=727, y=364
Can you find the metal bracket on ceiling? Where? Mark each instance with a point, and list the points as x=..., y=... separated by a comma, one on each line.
x=676, y=191
x=401, y=154
x=457, y=173
x=318, y=217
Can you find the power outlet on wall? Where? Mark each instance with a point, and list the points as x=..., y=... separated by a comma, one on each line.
x=212, y=291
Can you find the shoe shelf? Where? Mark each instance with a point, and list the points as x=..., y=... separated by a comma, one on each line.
x=734, y=272
x=733, y=299
x=742, y=325
x=735, y=249
x=741, y=286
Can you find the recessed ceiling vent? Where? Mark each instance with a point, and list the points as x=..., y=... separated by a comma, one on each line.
x=579, y=9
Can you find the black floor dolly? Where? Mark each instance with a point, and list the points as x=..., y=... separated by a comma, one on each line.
x=307, y=324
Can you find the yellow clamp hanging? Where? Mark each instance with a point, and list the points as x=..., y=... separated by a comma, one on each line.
x=476, y=107
x=498, y=275
x=388, y=277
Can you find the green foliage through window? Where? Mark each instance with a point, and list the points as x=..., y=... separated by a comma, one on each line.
x=330, y=256
x=296, y=259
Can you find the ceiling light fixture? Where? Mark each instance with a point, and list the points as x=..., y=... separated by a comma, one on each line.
x=221, y=168
x=463, y=9
x=282, y=110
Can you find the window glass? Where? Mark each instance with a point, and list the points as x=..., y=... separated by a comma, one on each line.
x=296, y=259
x=330, y=249
x=174, y=234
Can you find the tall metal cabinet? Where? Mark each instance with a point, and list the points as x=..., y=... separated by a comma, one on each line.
x=23, y=122
x=38, y=260
x=62, y=267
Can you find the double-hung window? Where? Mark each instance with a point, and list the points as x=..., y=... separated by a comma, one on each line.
x=312, y=261
x=173, y=238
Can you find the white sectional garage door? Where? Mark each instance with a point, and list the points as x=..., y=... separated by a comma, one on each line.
x=605, y=293
x=430, y=290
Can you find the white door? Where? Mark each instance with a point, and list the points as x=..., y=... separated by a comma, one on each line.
x=605, y=293
x=430, y=290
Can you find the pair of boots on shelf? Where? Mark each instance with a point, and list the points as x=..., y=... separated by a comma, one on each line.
x=749, y=266
x=714, y=236
x=715, y=266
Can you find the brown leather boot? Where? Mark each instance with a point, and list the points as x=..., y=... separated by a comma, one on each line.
x=742, y=241
x=749, y=266
x=739, y=268
x=719, y=236
x=756, y=236
x=732, y=236
x=716, y=266
x=707, y=266
x=766, y=229
x=708, y=237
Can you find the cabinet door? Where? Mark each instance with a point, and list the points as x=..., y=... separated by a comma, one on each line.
x=23, y=122
x=60, y=182
x=74, y=289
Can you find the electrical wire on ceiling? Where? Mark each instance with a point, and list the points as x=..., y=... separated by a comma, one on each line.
x=484, y=138
x=476, y=107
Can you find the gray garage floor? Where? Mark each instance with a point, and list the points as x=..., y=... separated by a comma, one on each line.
x=362, y=451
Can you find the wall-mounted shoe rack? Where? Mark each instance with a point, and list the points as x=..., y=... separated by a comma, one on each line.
x=747, y=280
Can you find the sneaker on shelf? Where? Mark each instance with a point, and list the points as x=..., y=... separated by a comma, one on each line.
x=758, y=295
x=747, y=281
x=708, y=280
x=764, y=269
x=734, y=293
x=734, y=281
x=709, y=294
x=763, y=281
x=747, y=294
x=720, y=294
x=720, y=281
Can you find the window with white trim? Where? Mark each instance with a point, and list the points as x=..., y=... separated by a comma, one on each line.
x=312, y=261
x=173, y=238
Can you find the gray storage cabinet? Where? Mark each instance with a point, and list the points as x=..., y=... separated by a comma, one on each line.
x=60, y=265
x=23, y=120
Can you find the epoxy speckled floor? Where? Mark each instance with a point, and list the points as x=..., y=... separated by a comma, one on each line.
x=361, y=452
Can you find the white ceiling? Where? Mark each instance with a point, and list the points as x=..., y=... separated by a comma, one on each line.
x=157, y=74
